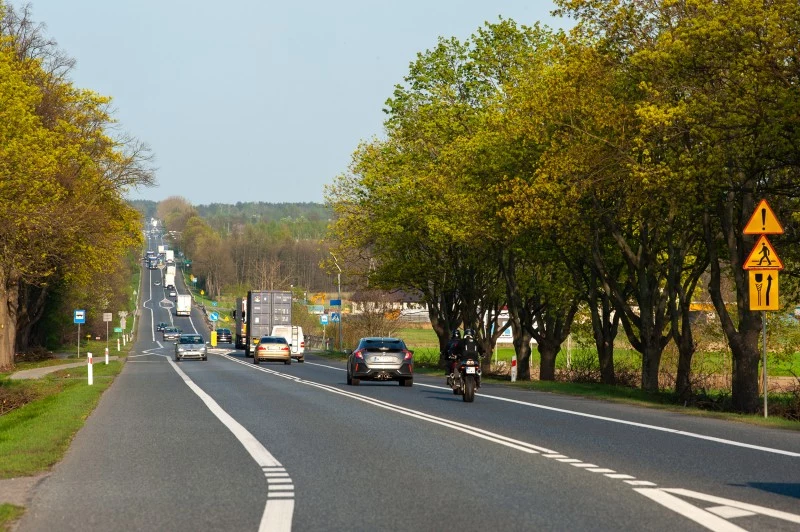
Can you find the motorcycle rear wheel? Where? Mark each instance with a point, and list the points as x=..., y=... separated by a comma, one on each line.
x=469, y=389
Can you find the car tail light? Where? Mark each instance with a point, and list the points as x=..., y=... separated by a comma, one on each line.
x=358, y=354
x=285, y=348
x=261, y=348
x=407, y=354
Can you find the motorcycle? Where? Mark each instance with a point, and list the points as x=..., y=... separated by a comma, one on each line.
x=466, y=378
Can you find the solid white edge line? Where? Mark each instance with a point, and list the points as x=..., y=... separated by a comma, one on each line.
x=698, y=515
x=276, y=517
x=615, y=420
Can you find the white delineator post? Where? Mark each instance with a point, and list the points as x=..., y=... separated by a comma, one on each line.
x=106, y=356
x=91, y=377
x=514, y=368
x=117, y=344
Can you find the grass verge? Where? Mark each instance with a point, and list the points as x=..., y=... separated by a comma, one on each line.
x=36, y=435
x=8, y=514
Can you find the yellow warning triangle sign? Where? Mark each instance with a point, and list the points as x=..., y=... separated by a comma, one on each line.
x=763, y=257
x=763, y=221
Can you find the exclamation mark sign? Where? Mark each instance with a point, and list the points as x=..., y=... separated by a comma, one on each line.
x=763, y=219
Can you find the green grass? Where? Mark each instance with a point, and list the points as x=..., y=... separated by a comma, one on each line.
x=36, y=435
x=8, y=514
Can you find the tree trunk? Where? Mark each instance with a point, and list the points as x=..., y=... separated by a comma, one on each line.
x=522, y=347
x=605, y=324
x=548, y=350
x=651, y=361
x=9, y=299
x=686, y=350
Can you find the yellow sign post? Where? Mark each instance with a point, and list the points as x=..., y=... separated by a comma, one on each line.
x=763, y=264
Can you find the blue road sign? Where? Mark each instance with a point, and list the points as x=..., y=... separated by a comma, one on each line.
x=213, y=316
x=323, y=319
x=335, y=317
x=336, y=303
x=79, y=316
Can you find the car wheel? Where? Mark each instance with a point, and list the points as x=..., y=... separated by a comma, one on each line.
x=177, y=358
x=406, y=382
x=205, y=358
x=288, y=361
x=301, y=360
x=354, y=381
x=255, y=359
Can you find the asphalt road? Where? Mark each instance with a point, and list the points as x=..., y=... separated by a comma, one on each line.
x=228, y=445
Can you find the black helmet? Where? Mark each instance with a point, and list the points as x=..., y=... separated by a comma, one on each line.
x=468, y=333
x=456, y=334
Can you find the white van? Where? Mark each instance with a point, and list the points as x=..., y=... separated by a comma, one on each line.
x=293, y=335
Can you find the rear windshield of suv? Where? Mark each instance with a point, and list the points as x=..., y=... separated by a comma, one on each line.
x=388, y=343
x=223, y=331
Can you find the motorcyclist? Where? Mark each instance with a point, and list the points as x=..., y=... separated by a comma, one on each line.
x=449, y=355
x=467, y=347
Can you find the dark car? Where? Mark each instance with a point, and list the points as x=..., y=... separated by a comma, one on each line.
x=224, y=336
x=161, y=326
x=381, y=359
x=171, y=333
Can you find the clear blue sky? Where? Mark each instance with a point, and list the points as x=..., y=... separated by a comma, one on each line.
x=256, y=100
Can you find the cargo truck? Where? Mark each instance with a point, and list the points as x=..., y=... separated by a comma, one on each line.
x=240, y=315
x=183, y=305
x=169, y=279
x=170, y=269
x=169, y=255
x=266, y=309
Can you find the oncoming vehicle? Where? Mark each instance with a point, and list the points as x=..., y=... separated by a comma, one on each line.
x=190, y=346
x=171, y=333
x=380, y=359
x=161, y=326
x=272, y=348
x=224, y=336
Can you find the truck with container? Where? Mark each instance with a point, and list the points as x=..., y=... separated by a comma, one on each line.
x=183, y=305
x=169, y=280
x=170, y=269
x=266, y=309
x=240, y=317
x=169, y=255
x=161, y=249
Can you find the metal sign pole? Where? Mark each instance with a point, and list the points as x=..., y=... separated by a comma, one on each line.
x=764, y=350
x=79, y=340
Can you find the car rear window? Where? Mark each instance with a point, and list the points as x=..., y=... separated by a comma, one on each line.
x=272, y=340
x=223, y=331
x=394, y=345
x=191, y=339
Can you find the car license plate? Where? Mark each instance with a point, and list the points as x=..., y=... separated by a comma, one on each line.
x=470, y=370
x=382, y=359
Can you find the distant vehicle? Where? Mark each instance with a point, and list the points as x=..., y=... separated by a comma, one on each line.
x=183, y=305
x=157, y=283
x=224, y=336
x=294, y=335
x=240, y=315
x=161, y=326
x=380, y=359
x=172, y=292
x=171, y=333
x=190, y=346
x=265, y=310
x=272, y=348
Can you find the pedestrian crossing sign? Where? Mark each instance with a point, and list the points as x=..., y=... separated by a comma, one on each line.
x=763, y=257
